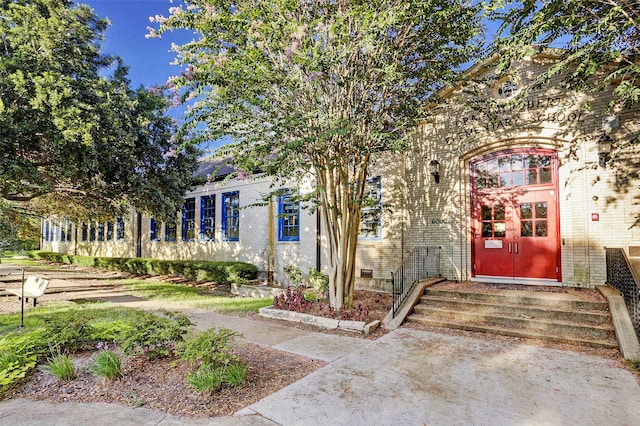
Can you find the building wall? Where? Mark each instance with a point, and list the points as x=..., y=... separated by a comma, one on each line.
x=418, y=213
x=474, y=123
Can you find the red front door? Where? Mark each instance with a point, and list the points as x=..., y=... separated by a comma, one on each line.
x=515, y=216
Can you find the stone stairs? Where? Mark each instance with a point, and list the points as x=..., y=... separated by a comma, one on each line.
x=558, y=317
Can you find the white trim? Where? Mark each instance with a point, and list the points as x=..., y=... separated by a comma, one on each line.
x=516, y=280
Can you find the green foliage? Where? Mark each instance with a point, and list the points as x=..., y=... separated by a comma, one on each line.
x=320, y=88
x=222, y=272
x=106, y=364
x=294, y=274
x=206, y=379
x=72, y=334
x=319, y=280
x=211, y=347
x=599, y=38
x=19, y=230
x=156, y=337
x=73, y=328
x=218, y=364
x=19, y=355
x=13, y=368
x=235, y=374
x=76, y=139
x=61, y=366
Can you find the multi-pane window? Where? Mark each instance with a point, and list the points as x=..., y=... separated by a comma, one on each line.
x=493, y=221
x=109, y=231
x=63, y=230
x=513, y=170
x=154, y=234
x=288, y=218
x=69, y=227
x=533, y=219
x=85, y=231
x=47, y=235
x=120, y=229
x=371, y=210
x=170, y=231
x=189, y=220
x=231, y=216
x=100, y=231
x=207, y=218
x=92, y=231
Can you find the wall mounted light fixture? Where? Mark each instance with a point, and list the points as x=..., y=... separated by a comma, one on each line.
x=434, y=165
x=604, y=149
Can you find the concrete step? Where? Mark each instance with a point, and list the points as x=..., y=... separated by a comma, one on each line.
x=517, y=297
x=568, y=317
x=596, y=317
x=521, y=321
x=513, y=332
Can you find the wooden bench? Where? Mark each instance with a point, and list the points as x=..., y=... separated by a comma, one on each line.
x=34, y=287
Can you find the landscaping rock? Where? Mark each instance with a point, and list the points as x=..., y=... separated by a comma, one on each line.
x=371, y=327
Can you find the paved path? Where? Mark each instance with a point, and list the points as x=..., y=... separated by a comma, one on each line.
x=407, y=377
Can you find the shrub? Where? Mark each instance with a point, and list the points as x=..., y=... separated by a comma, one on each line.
x=206, y=379
x=232, y=272
x=71, y=334
x=235, y=374
x=61, y=366
x=155, y=336
x=211, y=347
x=107, y=364
x=294, y=275
x=320, y=281
x=14, y=367
x=292, y=300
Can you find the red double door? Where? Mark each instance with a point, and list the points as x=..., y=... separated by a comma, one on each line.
x=515, y=230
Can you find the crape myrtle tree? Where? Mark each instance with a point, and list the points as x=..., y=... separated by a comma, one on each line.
x=318, y=87
x=75, y=139
x=600, y=38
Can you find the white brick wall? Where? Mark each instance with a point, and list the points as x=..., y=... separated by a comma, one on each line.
x=419, y=213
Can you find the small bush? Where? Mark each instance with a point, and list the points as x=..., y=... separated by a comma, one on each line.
x=320, y=281
x=293, y=300
x=211, y=347
x=155, y=336
x=294, y=275
x=61, y=366
x=235, y=375
x=13, y=368
x=107, y=364
x=206, y=379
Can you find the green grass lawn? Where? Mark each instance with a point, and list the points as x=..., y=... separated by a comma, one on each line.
x=191, y=297
x=23, y=262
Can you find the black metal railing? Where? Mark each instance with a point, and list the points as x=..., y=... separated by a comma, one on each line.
x=620, y=275
x=420, y=263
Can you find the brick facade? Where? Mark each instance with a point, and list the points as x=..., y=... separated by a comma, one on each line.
x=417, y=212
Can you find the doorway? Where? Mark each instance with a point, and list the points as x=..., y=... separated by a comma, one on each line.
x=515, y=220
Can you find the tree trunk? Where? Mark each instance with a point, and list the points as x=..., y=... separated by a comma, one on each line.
x=340, y=204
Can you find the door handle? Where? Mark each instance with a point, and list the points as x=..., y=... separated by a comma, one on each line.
x=516, y=248
x=509, y=247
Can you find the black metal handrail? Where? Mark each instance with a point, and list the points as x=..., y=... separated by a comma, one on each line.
x=415, y=267
x=620, y=275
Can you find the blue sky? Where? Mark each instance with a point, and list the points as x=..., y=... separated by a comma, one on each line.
x=149, y=59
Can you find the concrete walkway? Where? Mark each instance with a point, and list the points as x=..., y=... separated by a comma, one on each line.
x=407, y=377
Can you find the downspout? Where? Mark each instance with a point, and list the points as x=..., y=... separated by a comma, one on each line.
x=272, y=245
x=318, y=239
x=139, y=235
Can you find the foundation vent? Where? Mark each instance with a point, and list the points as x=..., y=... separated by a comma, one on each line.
x=366, y=273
